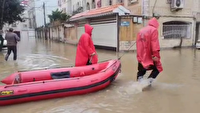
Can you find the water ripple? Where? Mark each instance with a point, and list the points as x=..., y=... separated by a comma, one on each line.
x=37, y=61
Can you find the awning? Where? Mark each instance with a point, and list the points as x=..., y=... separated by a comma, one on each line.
x=104, y=11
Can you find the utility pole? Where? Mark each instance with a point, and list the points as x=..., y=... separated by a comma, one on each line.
x=45, y=24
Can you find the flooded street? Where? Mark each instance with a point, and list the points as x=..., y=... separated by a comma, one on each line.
x=176, y=89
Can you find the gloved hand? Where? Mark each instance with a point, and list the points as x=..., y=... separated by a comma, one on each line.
x=155, y=59
x=93, y=54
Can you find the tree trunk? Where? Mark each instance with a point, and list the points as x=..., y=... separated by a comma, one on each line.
x=183, y=34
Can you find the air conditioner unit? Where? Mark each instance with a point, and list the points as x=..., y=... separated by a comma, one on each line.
x=177, y=4
x=133, y=1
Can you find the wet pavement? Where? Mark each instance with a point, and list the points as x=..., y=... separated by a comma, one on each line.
x=176, y=89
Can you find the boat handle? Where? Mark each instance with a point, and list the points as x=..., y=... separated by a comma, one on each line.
x=94, y=80
x=22, y=90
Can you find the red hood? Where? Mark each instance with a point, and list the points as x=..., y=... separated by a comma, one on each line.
x=88, y=29
x=153, y=22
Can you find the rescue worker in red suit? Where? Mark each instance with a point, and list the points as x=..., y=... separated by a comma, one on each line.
x=148, y=51
x=86, y=53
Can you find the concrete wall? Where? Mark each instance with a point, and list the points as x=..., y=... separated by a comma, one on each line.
x=57, y=33
x=163, y=8
x=71, y=35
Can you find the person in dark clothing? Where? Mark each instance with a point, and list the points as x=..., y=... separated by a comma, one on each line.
x=142, y=71
x=1, y=39
x=148, y=51
x=12, y=40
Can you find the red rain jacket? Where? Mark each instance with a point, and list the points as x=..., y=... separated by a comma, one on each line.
x=148, y=45
x=85, y=48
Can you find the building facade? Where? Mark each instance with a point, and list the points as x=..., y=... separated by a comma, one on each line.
x=36, y=10
x=72, y=6
x=25, y=28
x=179, y=19
x=31, y=14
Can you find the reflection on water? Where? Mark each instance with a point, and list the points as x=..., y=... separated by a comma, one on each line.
x=176, y=90
x=38, y=61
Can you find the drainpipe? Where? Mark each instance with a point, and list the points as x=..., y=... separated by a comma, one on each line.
x=197, y=32
x=154, y=14
x=118, y=41
x=195, y=35
x=154, y=7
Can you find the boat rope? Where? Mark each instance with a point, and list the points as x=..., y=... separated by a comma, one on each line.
x=119, y=58
x=127, y=50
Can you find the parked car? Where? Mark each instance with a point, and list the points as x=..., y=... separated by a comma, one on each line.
x=198, y=44
x=4, y=42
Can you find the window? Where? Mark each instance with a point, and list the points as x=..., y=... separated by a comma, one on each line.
x=176, y=29
x=93, y=4
x=79, y=7
x=88, y=6
x=99, y=3
x=59, y=3
x=110, y=2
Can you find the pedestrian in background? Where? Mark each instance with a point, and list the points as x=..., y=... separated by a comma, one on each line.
x=12, y=40
x=148, y=51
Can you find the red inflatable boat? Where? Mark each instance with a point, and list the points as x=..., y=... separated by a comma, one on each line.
x=54, y=83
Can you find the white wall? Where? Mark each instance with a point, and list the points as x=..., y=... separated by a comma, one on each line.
x=23, y=27
x=103, y=34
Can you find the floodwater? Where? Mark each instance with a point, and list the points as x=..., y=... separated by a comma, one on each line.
x=176, y=89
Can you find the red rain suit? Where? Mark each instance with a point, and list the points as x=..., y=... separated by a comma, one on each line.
x=86, y=48
x=148, y=45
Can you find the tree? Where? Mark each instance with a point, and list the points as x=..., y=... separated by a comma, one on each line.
x=58, y=16
x=11, y=11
